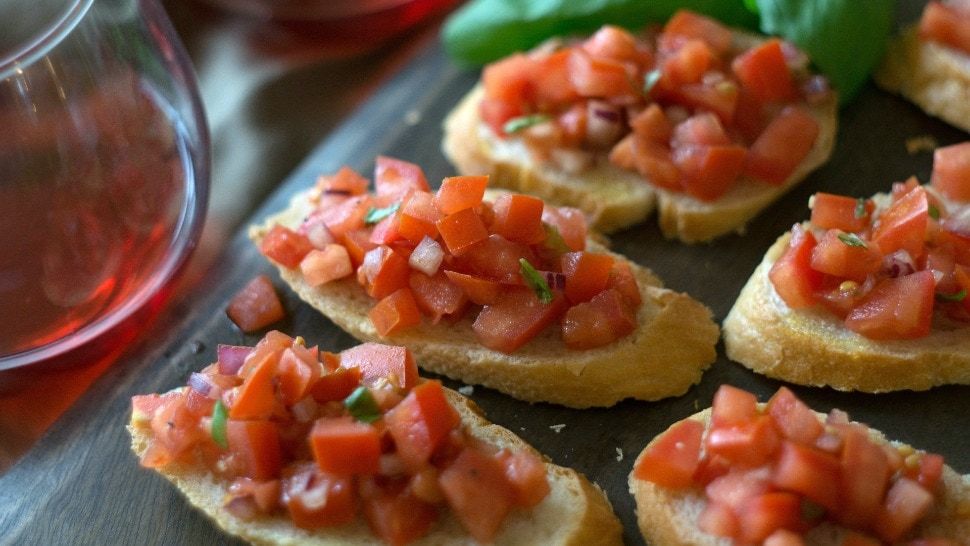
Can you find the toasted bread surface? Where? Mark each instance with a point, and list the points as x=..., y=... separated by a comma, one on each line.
x=669, y=518
x=615, y=198
x=935, y=77
x=814, y=348
x=574, y=513
x=667, y=353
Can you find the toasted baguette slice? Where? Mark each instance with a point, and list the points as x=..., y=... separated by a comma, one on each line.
x=666, y=354
x=574, y=513
x=615, y=198
x=815, y=348
x=935, y=77
x=669, y=518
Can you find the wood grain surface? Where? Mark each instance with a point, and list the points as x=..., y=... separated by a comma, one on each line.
x=81, y=485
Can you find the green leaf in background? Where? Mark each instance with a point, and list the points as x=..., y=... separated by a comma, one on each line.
x=844, y=38
x=485, y=30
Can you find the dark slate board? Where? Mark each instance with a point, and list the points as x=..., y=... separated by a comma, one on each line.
x=81, y=485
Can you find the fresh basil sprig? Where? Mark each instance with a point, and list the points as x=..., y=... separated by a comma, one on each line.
x=852, y=239
x=362, y=406
x=535, y=281
x=219, y=417
x=515, y=125
x=375, y=215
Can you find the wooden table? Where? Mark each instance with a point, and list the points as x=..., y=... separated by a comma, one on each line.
x=81, y=485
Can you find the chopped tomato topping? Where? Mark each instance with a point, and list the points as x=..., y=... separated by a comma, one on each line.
x=421, y=422
x=459, y=193
x=316, y=499
x=763, y=72
x=951, y=166
x=792, y=274
x=602, y=320
x=515, y=318
x=377, y=361
x=256, y=445
x=782, y=146
x=396, y=312
x=896, y=308
x=285, y=246
x=463, y=482
x=840, y=212
x=946, y=24
x=394, y=178
x=671, y=460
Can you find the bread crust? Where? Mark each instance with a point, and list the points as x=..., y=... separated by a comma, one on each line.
x=814, y=348
x=575, y=513
x=669, y=518
x=672, y=346
x=933, y=76
x=615, y=198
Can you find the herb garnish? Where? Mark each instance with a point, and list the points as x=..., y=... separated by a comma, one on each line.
x=362, y=406
x=959, y=296
x=515, y=125
x=375, y=215
x=852, y=239
x=535, y=281
x=219, y=416
x=650, y=80
x=554, y=240
x=860, y=208
x=934, y=212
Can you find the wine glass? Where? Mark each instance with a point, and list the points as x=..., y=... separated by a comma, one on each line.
x=104, y=172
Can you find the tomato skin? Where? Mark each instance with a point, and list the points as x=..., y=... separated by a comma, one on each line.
x=555, y=86
x=598, y=76
x=384, y=271
x=903, y=225
x=951, y=169
x=496, y=258
x=782, y=146
x=835, y=257
x=437, y=296
x=462, y=483
x=905, y=504
x=809, y=472
x=793, y=418
x=612, y=42
x=315, y=499
x=896, y=308
x=518, y=218
x=395, y=515
x=672, y=459
x=336, y=385
x=570, y=223
x=421, y=422
x=709, y=172
x=256, y=397
x=831, y=211
x=651, y=160
x=733, y=406
x=375, y=361
x=602, y=320
x=764, y=73
x=345, y=447
x=295, y=373
x=652, y=124
x=256, y=306
x=346, y=181
x=863, y=475
x=257, y=446
x=460, y=192
x=747, y=445
x=515, y=318
x=321, y=266
x=587, y=274
x=394, y=178
x=396, y=312
x=689, y=24
x=527, y=475
x=478, y=290
x=461, y=230
x=285, y=246
x=764, y=514
x=792, y=275
x=945, y=24
x=687, y=65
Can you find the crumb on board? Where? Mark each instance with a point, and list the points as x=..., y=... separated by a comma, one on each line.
x=619, y=454
x=467, y=390
x=921, y=143
x=557, y=428
x=412, y=117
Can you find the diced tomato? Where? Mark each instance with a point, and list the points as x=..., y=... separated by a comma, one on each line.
x=951, y=166
x=345, y=447
x=703, y=128
x=721, y=98
x=515, y=318
x=497, y=258
x=694, y=25
x=394, y=178
x=357, y=243
x=346, y=181
x=903, y=225
x=652, y=124
x=734, y=488
x=687, y=65
x=763, y=515
x=653, y=162
x=782, y=146
x=896, y=308
x=460, y=192
x=144, y=406
x=496, y=113
x=509, y=80
x=733, y=406
x=376, y=361
x=554, y=87
x=845, y=256
x=256, y=397
x=792, y=275
x=527, y=475
x=461, y=230
x=256, y=306
x=671, y=459
x=396, y=516
x=395, y=313
x=384, y=271
x=945, y=24
x=174, y=430
x=322, y=266
x=285, y=246
x=863, y=475
x=347, y=216
x=929, y=471
x=599, y=76
x=784, y=537
x=747, y=445
x=602, y=320
x=763, y=72
x=296, y=372
x=421, y=422
x=808, y=472
x=793, y=418
x=256, y=445
x=718, y=520
x=316, y=499
x=840, y=212
x=623, y=280
x=463, y=483
x=336, y=385
x=708, y=172
x=437, y=296
x=905, y=504
x=587, y=274
x=518, y=218
x=612, y=42
x=570, y=223
x=478, y=290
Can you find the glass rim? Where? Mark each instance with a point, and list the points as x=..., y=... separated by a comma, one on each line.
x=182, y=245
x=44, y=39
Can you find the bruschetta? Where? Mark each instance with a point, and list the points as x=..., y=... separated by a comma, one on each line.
x=929, y=63
x=781, y=474
x=870, y=294
x=703, y=123
x=286, y=444
x=508, y=293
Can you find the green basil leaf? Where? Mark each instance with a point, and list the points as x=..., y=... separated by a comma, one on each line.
x=375, y=215
x=219, y=417
x=650, y=80
x=535, y=281
x=486, y=30
x=554, y=240
x=515, y=125
x=852, y=239
x=362, y=406
x=844, y=38
x=934, y=212
x=959, y=296
x=860, y=208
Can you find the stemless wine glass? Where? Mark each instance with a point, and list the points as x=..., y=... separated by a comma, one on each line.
x=104, y=171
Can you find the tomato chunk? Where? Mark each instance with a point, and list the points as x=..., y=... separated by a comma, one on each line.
x=461, y=230
x=316, y=499
x=693, y=25
x=782, y=146
x=421, y=422
x=518, y=218
x=764, y=514
x=896, y=308
x=733, y=406
x=863, y=475
x=708, y=172
x=602, y=320
x=951, y=168
x=377, y=361
x=515, y=318
x=384, y=271
x=903, y=225
x=840, y=212
x=809, y=472
x=256, y=397
x=336, y=385
x=437, y=296
x=527, y=475
x=587, y=274
x=845, y=256
x=394, y=178
x=671, y=460
x=346, y=181
x=747, y=445
x=256, y=306
x=945, y=24
x=764, y=73
x=905, y=504
x=793, y=418
x=460, y=192
x=322, y=266
x=345, y=447
x=256, y=445
x=285, y=246
x=598, y=76
x=463, y=482
x=792, y=275
x=396, y=516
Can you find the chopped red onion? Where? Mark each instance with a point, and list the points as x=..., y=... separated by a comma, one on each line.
x=837, y=417
x=231, y=358
x=898, y=264
x=318, y=234
x=556, y=281
x=199, y=382
x=603, y=124
x=333, y=191
x=243, y=507
x=829, y=442
x=427, y=256
x=958, y=222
